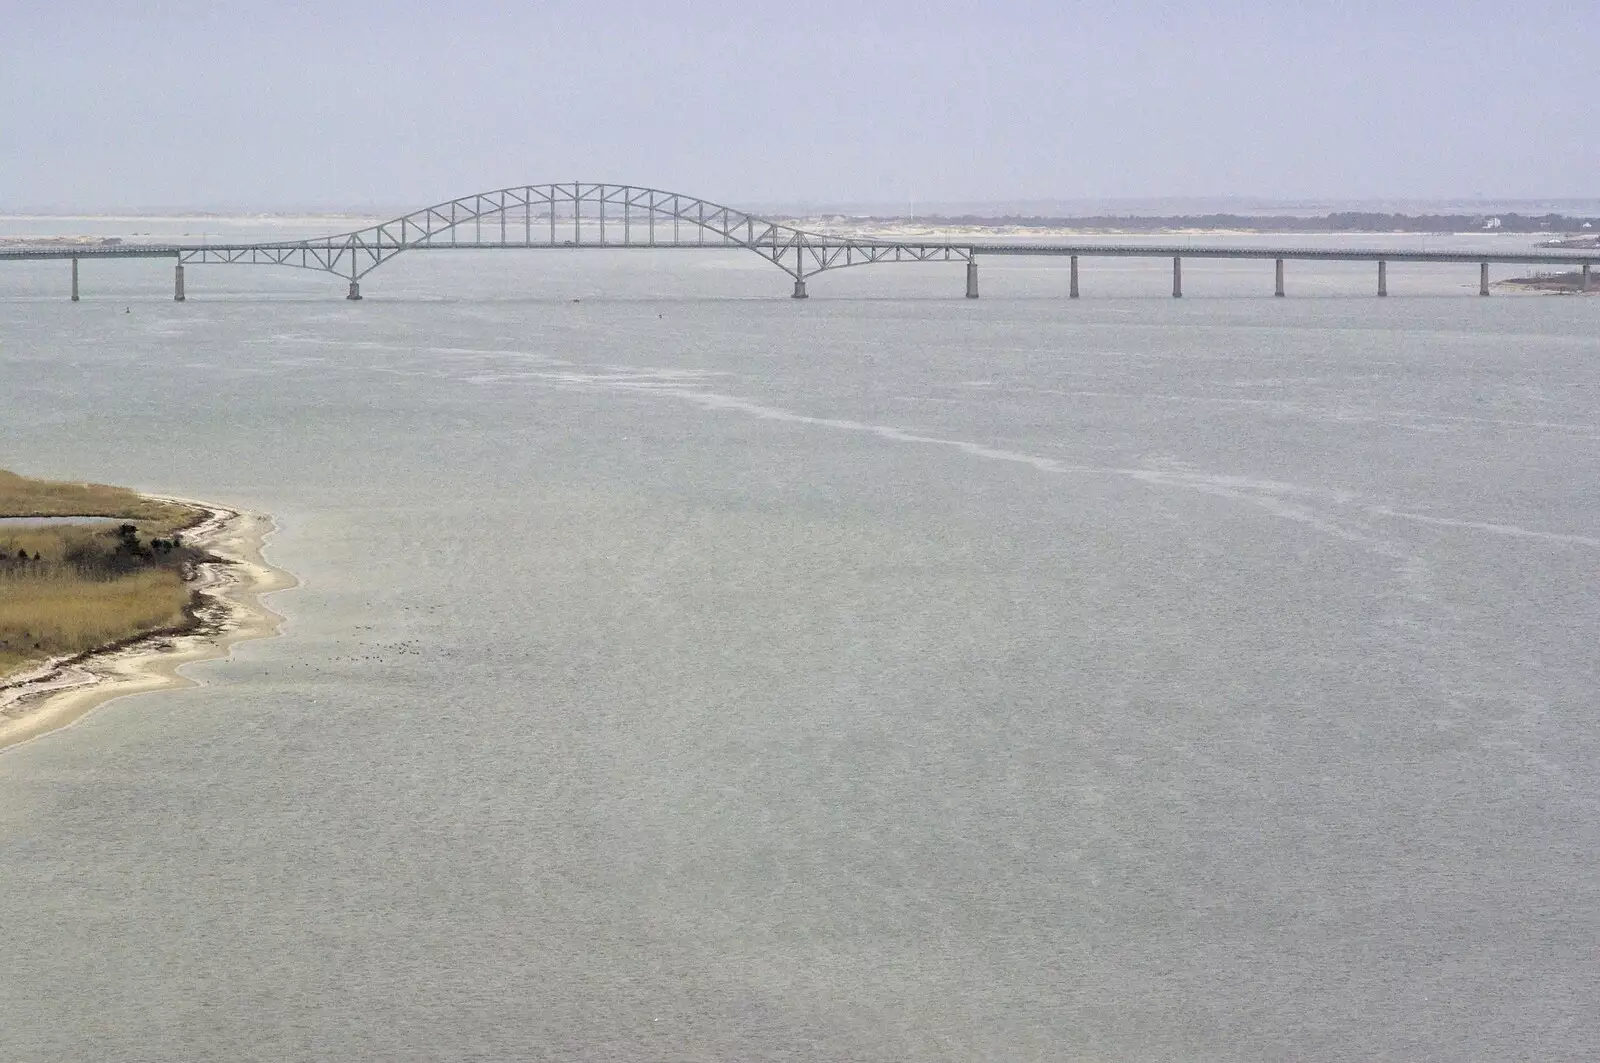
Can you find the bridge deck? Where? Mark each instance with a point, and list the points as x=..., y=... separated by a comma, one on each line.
x=24, y=253
x=974, y=247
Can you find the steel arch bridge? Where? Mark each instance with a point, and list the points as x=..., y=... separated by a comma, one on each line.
x=576, y=215
x=599, y=215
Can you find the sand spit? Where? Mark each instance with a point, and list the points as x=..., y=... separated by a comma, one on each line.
x=61, y=692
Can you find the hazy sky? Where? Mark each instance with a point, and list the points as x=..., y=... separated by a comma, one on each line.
x=345, y=103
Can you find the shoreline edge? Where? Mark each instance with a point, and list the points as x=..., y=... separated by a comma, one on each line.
x=58, y=693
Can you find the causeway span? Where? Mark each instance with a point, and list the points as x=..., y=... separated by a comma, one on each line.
x=581, y=215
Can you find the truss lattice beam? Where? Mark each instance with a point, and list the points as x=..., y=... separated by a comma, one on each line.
x=588, y=216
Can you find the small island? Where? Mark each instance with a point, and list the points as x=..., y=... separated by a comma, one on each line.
x=105, y=591
x=1569, y=283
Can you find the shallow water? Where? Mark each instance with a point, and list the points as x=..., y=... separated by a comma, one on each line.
x=688, y=672
x=55, y=522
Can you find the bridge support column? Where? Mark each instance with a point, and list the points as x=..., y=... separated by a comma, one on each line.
x=1483, y=278
x=1072, y=289
x=355, y=290
x=1383, y=277
x=799, y=289
x=1278, y=291
x=1585, y=277
x=177, y=283
x=1177, y=277
x=75, y=279
x=972, y=278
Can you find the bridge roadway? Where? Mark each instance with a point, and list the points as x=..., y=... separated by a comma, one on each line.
x=576, y=216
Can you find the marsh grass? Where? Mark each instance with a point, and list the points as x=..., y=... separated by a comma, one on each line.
x=67, y=589
x=21, y=496
x=61, y=614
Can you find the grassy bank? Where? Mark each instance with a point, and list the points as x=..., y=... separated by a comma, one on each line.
x=68, y=589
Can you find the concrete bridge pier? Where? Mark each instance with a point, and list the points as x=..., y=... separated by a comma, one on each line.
x=1278, y=288
x=1585, y=277
x=1177, y=277
x=1483, y=278
x=1072, y=291
x=1383, y=277
x=972, y=277
x=177, y=284
x=75, y=278
x=799, y=289
x=355, y=290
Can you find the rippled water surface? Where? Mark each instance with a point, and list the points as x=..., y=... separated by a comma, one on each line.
x=681, y=671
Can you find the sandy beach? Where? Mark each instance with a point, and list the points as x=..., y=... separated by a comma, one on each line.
x=62, y=691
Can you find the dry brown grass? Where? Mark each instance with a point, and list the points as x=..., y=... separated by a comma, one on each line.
x=59, y=614
x=86, y=590
x=53, y=543
x=21, y=496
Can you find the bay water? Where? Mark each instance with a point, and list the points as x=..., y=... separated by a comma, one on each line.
x=680, y=671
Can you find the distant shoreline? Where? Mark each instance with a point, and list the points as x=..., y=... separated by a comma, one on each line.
x=59, y=692
x=1560, y=228
x=1566, y=228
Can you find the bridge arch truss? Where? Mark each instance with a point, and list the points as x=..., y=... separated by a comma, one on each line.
x=578, y=214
